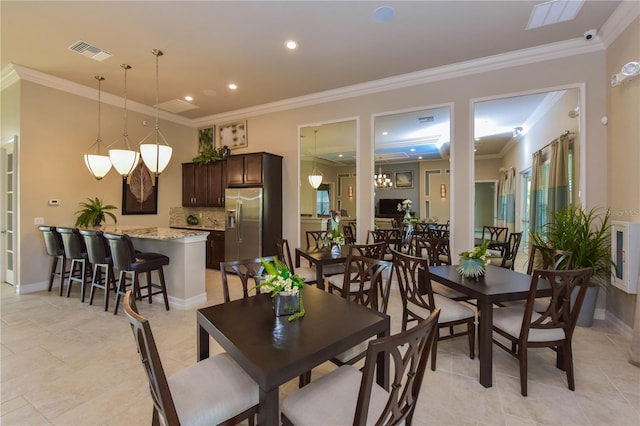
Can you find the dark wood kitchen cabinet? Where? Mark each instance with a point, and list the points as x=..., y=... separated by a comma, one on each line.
x=194, y=185
x=251, y=169
x=215, y=249
x=217, y=182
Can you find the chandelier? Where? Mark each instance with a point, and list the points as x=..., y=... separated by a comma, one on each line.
x=98, y=164
x=156, y=156
x=382, y=180
x=315, y=178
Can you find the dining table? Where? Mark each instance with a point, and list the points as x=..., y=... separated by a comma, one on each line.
x=321, y=256
x=496, y=286
x=273, y=350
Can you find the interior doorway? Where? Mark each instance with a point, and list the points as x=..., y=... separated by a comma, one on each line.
x=7, y=206
x=484, y=206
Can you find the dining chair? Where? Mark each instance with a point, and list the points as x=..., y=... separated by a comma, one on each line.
x=439, y=230
x=131, y=263
x=553, y=328
x=392, y=237
x=99, y=253
x=55, y=248
x=508, y=256
x=244, y=269
x=215, y=390
x=374, y=251
x=495, y=233
x=348, y=396
x=284, y=255
x=76, y=252
x=315, y=239
x=349, y=233
x=419, y=301
x=541, y=257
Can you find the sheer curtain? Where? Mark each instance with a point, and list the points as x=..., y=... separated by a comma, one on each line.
x=536, y=206
x=507, y=200
x=558, y=196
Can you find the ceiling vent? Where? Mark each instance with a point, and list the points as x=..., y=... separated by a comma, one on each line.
x=85, y=49
x=423, y=120
x=176, y=106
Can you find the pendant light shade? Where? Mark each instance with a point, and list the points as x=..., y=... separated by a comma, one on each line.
x=124, y=160
x=156, y=156
x=98, y=164
x=315, y=178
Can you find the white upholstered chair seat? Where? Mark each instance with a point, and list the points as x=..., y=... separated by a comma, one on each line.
x=446, y=291
x=347, y=356
x=307, y=272
x=331, y=400
x=338, y=281
x=509, y=320
x=450, y=310
x=211, y=391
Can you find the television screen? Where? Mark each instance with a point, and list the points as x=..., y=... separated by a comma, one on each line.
x=389, y=206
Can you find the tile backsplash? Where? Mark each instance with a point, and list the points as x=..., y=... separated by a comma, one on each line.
x=210, y=217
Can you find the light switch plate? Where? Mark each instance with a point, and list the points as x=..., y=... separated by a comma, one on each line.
x=38, y=220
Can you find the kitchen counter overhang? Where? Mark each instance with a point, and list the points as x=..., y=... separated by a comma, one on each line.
x=185, y=275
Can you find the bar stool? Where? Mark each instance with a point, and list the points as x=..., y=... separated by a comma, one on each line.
x=99, y=255
x=76, y=251
x=55, y=249
x=130, y=264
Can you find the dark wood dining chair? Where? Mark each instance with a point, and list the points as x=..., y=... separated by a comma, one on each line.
x=215, y=390
x=495, y=233
x=315, y=239
x=284, y=255
x=419, y=301
x=541, y=257
x=55, y=248
x=349, y=233
x=508, y=256
x=553, y=328
x=348, y=396
x=374, y=251
x=245, y=270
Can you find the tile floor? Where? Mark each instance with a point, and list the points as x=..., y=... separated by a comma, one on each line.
x=67, y=363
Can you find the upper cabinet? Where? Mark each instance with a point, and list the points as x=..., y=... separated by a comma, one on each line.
x=251, y=169
x=217, y=181
x=203, y=185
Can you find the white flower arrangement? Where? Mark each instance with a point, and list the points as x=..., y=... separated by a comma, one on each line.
x=334, y=237
x=280, y=280
x=405, y=206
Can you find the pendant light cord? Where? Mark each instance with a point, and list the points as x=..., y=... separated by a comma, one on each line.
x=99, y=139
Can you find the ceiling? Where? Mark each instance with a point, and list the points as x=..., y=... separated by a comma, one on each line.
x=209, y=44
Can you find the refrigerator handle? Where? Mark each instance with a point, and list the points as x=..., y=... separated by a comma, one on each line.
x=238, y=220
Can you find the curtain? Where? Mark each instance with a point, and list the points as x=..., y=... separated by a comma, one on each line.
x=507, y=200
x=558, y=196
x=536, y=205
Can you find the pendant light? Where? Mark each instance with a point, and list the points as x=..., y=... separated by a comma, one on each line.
x=99, y=165
x=124, y=160
x=156, y=156
x=381, y=180
x=315, y=178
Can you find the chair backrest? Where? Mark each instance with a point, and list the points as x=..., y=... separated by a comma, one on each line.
x=349, y=234
x=315, y=238
x=512, y=251
x=409, y=351
x=97, y=246
x=74, y=247
x=561, y=312
x=495, y=233
x=122, y=251
x=245, y=269
x=391, y=236
x=158, y=385
x=52, y=240
x=413, y=280
x=421, y=229
x=542, y=257
x=439, y=230
x=372, y=279
x=284, y=253
x=374, y=250
x=438, y=251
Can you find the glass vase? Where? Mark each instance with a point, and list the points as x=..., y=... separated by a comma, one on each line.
x=336, y=251
x=286, y=304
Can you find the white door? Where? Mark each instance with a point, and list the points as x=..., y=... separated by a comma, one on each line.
x=7, y=221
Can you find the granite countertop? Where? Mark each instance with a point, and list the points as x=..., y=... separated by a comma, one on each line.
x=155, y=233
x=199, y=227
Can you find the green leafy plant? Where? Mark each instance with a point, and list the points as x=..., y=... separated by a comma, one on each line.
x=587, y=234
x=208, y=155
x=94, y=212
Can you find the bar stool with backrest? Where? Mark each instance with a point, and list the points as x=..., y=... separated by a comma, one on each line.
x=99, y=255
x=55, y=249
x=76, y=251
x=130, y=264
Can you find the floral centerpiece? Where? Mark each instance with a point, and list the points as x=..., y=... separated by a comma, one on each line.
x=473, y=263
x=405, y=206
x=285, y=289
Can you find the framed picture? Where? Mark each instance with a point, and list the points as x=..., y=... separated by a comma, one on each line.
x=206, y=138
x=140, y=192
x=404, y=180
x=233, y=135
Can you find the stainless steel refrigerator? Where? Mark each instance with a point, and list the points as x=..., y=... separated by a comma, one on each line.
x=244, y=223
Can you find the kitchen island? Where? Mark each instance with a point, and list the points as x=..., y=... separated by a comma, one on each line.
x=185, y=274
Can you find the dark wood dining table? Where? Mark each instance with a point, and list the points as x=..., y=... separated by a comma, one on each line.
x=273, y=350
x=497, y=285
x=321, y=257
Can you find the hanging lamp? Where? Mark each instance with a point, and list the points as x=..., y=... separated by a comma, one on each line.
x=156, y=156
x=99, y=165
x=315, y=178
x=124, y=160
x=382, y=180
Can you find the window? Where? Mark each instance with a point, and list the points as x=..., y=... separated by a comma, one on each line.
x=322, y=200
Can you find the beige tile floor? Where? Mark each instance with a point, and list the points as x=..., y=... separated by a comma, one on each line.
x=67, y=363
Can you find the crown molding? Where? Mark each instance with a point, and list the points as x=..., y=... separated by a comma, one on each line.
x=8, y=77
x=619, y=20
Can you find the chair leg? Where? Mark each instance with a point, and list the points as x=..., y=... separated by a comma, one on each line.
x=72, y=270
x=434, y=351
x=94, y=280
x=52, y=273
x=63, y=268
x=164, y=287
x=522, y=356
x=120, y=290
x=149, y=286
x=471, y=331
x=568, y=364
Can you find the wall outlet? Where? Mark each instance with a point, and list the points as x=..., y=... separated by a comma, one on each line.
x=54, y=202
x=38, y=220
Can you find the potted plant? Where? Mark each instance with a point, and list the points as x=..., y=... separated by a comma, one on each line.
x=587, y=234
x=94, y=212
x=209, y=155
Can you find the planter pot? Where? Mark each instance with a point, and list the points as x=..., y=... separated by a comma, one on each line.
x=588, y=308
x=336, y=250
x=286, y=304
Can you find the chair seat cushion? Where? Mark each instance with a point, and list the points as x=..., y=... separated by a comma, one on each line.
x=306, y=272
x=494, y=253
x=149, y=261
x=332, y=399
x=509, y=320
x=447, y=291
x=338, y=282
x=212, y=391
x=450, y=310
x=333, y=269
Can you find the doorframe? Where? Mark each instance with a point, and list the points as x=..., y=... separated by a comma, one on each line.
x=495, y=200
x=5, y=275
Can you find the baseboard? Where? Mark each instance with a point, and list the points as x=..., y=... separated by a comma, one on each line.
x=183, y=304
x=35, y=287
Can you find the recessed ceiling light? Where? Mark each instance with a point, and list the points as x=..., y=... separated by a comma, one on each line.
x=383, y=14
x=412, y=150
x=385, y=133
x=291, y=44
x=420, y=157
x=340, y=155
x=188, y=98
x=232, y=86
